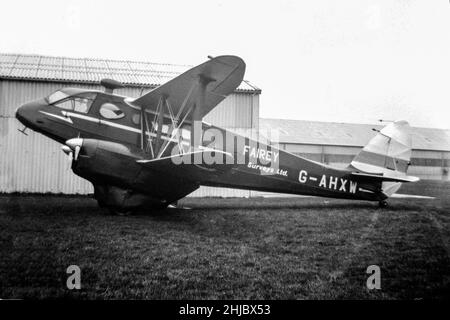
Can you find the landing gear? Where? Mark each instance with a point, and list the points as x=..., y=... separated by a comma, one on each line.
x=124, y=202
x=101, y=203
x=119, y=211
x=382, y=204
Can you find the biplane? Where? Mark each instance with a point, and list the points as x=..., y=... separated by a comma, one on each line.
x=150, y=151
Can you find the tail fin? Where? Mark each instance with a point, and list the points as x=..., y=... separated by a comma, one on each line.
x=389, y=150
x=387, y=155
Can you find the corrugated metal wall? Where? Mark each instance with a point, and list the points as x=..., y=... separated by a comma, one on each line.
x=35, y=163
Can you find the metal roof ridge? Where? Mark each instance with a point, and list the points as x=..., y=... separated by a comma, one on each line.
x=91, y=58
x=140, y=73
x=346, y=123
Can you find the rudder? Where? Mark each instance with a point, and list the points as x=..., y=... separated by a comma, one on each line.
x=388, y=151
x=387, y=154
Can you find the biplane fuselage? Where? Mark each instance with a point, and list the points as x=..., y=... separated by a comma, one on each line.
x=124, y=150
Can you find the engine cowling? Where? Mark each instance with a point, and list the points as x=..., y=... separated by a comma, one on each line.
x=104, y=161
x=112, y=169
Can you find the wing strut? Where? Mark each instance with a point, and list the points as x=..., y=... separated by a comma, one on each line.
x=157, y=141
x=189, y=96
x=196, y=116
x=160, y=121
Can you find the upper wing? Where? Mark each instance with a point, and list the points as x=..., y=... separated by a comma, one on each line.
x=220, y=76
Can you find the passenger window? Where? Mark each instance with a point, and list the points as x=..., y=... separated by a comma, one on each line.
x=82, y=105
x=165, y=127
x=186, y=132
x=136, y=118
x=111, y=111
x=66, y=104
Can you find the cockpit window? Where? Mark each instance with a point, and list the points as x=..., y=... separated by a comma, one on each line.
x=111, y=111
x=56, y=96
x=66, y=104
x=79, y=103
x=82, y=104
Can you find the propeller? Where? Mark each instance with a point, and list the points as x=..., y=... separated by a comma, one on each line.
x=72, y=148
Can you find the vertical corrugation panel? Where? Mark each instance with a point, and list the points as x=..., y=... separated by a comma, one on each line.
x=304, y=148
x=236, y=111
x=255, y=114
x=35, y=163
x=32, y=163
x=131, y=92
x=426, y=154
x=341, y=150
x=429, y=173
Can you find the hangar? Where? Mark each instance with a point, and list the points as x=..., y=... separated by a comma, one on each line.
x=337, y=144
x=36, y=164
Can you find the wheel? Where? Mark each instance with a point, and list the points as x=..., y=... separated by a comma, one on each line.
x=101, y=203
x=383, y=204
x=115, y=211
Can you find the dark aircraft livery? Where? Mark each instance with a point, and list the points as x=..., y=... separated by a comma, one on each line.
x=151, y=151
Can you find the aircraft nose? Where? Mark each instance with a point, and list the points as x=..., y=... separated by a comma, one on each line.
x=28, y=113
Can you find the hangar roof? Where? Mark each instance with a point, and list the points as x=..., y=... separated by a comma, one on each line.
x=348, y=134
x=90, y=70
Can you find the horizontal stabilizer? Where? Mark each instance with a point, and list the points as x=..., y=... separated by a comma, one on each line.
x=410, y=196
x=382, y=178
x=196, y=165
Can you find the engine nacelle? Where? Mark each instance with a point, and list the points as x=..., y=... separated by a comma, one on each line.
x=112, y=169
x=120, y=182
x=106, y=162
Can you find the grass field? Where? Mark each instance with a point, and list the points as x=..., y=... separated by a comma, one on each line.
x=277, y=248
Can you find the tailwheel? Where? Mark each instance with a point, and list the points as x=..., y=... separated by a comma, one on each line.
x=382, y=204
x=160, y=206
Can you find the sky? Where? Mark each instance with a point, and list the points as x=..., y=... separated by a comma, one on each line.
x=342, y=61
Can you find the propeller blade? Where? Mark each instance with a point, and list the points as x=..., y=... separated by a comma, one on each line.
x=68, y=151
x=72, y=149
x=74, y=145
x=70, y=160
x=76, y=152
